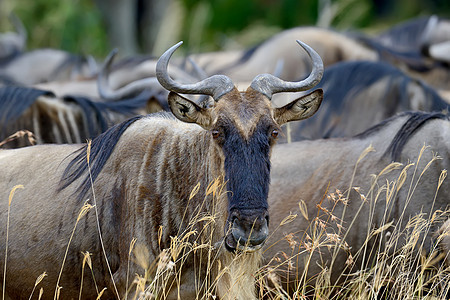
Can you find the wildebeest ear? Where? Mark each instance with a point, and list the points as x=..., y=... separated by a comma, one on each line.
x=299, y=109
x=188, y=111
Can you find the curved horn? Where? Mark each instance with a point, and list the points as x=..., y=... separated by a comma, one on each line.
x=427, y=34
x=215, y=86
x=269, y=84
x=128, y=90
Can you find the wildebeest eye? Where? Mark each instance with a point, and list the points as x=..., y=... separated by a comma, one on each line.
x=215, y=134
x=274, y=133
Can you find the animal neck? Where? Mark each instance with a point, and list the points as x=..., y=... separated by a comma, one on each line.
x=185, y=162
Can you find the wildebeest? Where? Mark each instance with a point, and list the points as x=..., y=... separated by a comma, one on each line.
x=121, y=80
x=360, y=94
x=331, y=45
x=143, y=173
x=303, y=173
x=419, y=35
x=68, y=119
x=417, y=47
x=142, y=79
x=43, y=65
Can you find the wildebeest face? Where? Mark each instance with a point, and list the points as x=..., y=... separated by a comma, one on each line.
x=243, y=127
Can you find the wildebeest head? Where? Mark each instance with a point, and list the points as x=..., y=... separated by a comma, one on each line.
x=243, y=127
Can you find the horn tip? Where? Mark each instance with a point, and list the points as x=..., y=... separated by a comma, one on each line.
x=112, y=54
x=178, y=44
x=172, y=49
x=304, y=45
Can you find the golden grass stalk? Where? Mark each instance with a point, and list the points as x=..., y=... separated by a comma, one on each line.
x=86, y=260
x=391, y=275
x=38, y=280
x=133, y=242
x=196, y=241
x=83, y=211
x=11, y=195
x=18, y=135
x=88, y=154
x=100, y=294
x=288, y=219
x=382, y=270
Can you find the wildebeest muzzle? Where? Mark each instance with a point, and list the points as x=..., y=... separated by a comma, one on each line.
x=247, y=229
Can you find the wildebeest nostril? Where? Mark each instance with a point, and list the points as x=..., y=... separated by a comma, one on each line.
x=250, y=233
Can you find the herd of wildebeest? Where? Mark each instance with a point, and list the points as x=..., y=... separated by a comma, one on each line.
x=157, y=133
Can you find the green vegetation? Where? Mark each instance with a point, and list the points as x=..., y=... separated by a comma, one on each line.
x=71, y=25
x=77, y=26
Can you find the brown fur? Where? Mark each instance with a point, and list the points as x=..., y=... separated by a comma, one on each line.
x=43, y=65
x=309, y=170
x=332, y=47
x=145, y=184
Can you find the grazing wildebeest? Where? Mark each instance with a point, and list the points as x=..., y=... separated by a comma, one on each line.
x=303, y=173
x=143, y=172
x=68, y=119
x=360, y=94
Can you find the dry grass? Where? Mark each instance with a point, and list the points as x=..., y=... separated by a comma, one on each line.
x=20, y=135
x=400, y=270
x=397, y=268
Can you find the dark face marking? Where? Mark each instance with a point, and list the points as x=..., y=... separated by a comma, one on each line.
x=247, y=172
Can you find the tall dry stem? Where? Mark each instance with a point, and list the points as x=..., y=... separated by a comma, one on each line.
x=11, y=195
x=88, y=154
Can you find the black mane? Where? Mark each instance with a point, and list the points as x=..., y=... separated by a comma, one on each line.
x=411, y=126
x=355, y=76
x=416, y=119
x=399, y=46
x=344, y=82
x=96, y=113
x=405, y=35
x=14, y=100
x=101, y=149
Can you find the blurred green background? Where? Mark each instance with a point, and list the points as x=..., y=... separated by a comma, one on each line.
x=79, y=26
